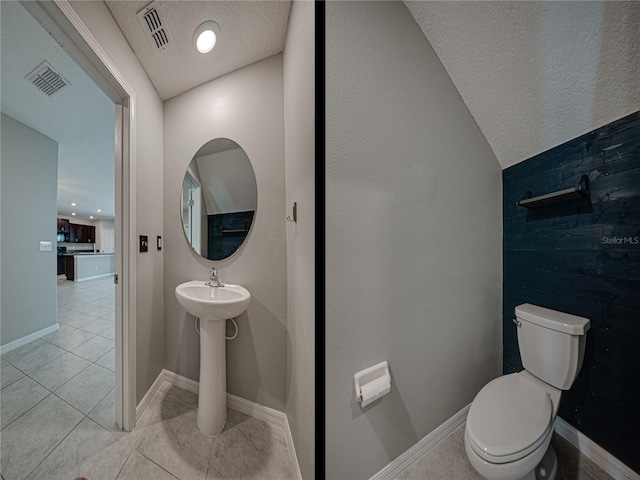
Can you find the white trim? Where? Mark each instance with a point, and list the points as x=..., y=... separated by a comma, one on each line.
x=182, y=382
x=146, y=400
x=594, y=452
x=424, y=446
x=256, y=410
x=293, y=458
x=28, y=338
x=242, y=405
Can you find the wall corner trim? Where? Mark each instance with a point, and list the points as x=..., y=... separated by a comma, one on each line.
x=242, y=405
x=594, y=452
x=28, y=338
x=292, y=449
x=424, y=446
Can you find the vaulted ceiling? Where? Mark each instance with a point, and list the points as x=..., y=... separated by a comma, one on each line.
x=249, y=31
x=537, y=74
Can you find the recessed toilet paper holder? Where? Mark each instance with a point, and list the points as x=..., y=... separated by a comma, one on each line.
x=372, y=383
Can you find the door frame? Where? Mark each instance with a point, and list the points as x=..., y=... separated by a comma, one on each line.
x=59, y=19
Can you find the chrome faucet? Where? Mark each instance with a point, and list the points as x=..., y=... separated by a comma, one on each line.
x=214, y=281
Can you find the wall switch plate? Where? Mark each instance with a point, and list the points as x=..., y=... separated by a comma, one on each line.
x=46, y=246
x=144, y=243
x=159, y=242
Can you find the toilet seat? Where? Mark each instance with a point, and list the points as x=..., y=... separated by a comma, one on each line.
x=509, y=418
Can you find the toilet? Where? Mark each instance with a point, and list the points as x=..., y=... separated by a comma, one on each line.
x=510, y=422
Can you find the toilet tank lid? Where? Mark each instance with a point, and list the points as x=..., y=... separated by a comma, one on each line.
x=560, y=321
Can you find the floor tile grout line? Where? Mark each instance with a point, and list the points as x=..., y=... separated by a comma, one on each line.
x=157, y=464
x=124, y=463
x=65, y=437
x=30, y=408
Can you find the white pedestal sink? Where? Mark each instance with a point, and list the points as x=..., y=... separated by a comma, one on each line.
x=213, y=305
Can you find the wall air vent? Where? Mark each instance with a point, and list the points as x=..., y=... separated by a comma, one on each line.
x=155, y=27
x=47, y=79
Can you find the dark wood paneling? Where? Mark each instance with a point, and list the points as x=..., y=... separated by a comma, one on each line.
x=583, y=257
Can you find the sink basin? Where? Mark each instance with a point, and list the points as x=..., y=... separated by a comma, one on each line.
x=212, y=303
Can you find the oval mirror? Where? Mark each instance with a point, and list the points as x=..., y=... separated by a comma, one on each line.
x=219, y=199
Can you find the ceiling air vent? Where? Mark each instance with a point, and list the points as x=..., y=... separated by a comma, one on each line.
x=155, y=27
x=47, y=79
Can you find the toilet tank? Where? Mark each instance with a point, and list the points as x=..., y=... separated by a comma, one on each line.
x=551, y=344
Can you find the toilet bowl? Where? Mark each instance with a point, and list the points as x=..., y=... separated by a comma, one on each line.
x=509, y=427
x=510, y=423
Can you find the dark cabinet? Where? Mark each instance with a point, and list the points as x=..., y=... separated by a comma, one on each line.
x=63, y=225
x=82, y=233
x=61, y=265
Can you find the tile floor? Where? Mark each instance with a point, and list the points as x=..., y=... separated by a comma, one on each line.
x=57, y=412
x=449, y=461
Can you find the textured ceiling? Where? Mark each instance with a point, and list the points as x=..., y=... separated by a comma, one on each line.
x=249, y=31
x=80, y=117
x=536, y=74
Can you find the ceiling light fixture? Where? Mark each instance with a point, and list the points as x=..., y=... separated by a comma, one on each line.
x=73, y=204
x=98, y=210
x=73, y=214
x=205, y=36
x=90, y=216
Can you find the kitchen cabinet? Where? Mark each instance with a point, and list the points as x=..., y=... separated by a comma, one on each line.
x=61, y=265
x=63, y=225
x=82, y=233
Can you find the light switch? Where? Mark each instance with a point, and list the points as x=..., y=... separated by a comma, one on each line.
x=144, y=243
x=46, y=246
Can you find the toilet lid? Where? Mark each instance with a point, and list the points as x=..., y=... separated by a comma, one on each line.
x=509, y=418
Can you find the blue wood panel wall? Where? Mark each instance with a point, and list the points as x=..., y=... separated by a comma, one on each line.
x=583, y=257
x=226, y=232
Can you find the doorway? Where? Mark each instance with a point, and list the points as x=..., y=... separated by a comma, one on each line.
x=60, y=20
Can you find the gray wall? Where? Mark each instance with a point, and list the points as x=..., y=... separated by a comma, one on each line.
x=299, y=134
x=148, y=167
x=29, y=197
x=413, y=244
x=247, y=107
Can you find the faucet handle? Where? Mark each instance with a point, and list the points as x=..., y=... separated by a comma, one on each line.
x=213, y=273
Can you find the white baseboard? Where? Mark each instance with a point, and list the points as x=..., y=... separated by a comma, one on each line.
x=242, y=405
x=594, y=452
x=424, y=446
x=292, y=449
x=28, y=338
x=146, y=400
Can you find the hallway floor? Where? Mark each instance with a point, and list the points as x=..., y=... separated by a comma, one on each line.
x=57, y=412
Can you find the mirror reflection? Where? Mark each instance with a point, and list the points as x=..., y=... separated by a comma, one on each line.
x=219, y=199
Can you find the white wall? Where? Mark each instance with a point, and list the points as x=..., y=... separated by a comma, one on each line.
x=29, y=164
x=414, y=238
x=224, y=177
x=148, y=166
x=299, y=127
x=245, y=106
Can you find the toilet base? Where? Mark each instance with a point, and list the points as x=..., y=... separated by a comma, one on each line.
x=548, y=466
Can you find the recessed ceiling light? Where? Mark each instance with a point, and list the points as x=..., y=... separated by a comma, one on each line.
x=90, y=216
x=73, y=213
x=73, y=205
x=205, y=36
x=98, y=210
